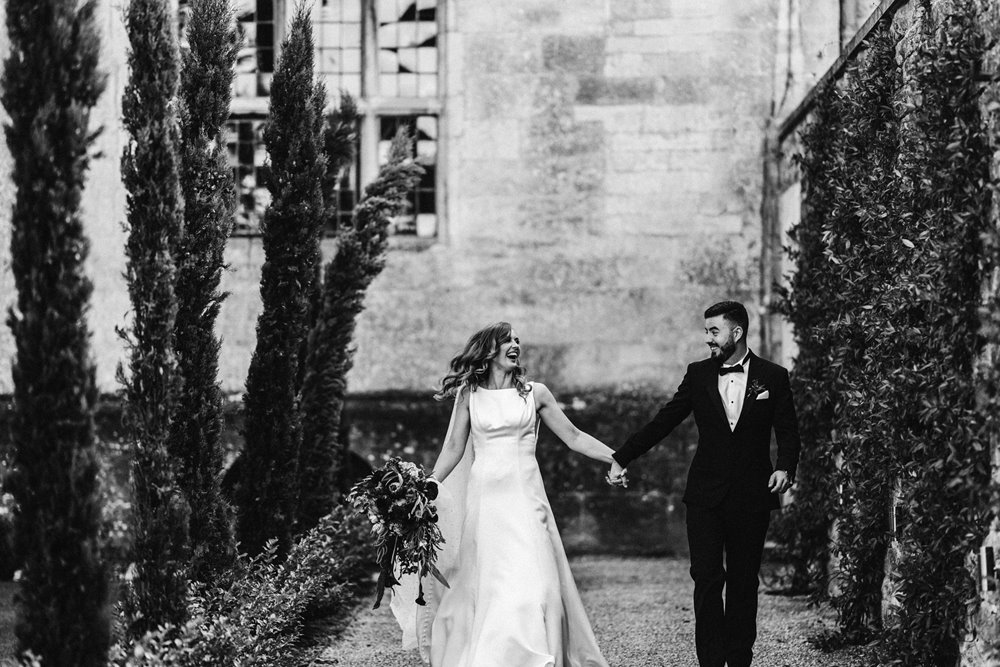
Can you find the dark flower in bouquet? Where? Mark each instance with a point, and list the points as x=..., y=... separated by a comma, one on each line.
x=398, y=499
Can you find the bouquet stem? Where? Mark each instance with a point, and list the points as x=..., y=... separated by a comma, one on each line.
x=385, y=575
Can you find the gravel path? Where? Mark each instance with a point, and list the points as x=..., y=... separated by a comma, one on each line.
x=641, y=613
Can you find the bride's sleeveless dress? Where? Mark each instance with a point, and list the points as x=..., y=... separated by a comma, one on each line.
x=512, y=600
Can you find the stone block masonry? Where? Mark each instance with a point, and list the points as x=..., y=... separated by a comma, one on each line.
x=590, y=153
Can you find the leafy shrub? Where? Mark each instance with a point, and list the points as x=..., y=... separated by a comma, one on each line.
x=7, y=504
x=115, y=535
x=259, y=616
x=412, y=426
x=611, y=416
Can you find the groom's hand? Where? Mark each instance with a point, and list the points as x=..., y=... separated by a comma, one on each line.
x=616, y=476
x=779, y=482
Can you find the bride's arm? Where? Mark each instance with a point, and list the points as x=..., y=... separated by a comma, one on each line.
x=559, y=423
x=454, y=446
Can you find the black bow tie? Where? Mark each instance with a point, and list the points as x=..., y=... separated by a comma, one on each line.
x=738, y=368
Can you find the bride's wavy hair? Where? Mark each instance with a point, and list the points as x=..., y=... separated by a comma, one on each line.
x=471, y=366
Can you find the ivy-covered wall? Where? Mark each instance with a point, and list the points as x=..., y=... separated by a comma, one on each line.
x=646, y=519
x=894, y=310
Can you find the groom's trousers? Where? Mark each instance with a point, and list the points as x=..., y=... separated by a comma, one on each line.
x=725, y=631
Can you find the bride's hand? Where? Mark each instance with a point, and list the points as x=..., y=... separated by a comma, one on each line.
x=617, y=475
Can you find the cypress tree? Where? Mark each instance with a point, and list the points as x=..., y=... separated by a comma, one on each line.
x=314, y=291
x=50, y=84
x=291, y=228
x=360, y=257
x=150, y=170
x=340, y=139
x=209, y=205
x=318, y=454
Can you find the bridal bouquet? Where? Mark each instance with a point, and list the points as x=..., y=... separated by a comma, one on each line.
x=399, y=501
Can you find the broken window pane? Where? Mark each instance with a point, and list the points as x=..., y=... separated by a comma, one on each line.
x=255, y=60
x=396, y=41
x=248, y=158
x=406, y=34
x=420, y=216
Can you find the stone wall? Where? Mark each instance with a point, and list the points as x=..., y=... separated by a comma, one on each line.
x=601, y=163
x=647, y=519
x=603, y=188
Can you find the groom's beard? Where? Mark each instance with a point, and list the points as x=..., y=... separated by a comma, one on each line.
x=724, y=351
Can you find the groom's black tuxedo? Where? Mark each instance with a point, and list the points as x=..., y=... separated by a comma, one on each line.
x=727, y=499
x=734, y=463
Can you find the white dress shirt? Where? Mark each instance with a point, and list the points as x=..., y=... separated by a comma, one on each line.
x=733, y=389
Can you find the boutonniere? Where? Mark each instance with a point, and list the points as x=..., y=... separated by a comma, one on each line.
x=755, y=388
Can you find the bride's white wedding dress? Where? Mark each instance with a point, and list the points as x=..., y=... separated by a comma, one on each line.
x=512, y=600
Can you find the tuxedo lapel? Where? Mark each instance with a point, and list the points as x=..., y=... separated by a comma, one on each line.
x=712, y=385
x=750, y=399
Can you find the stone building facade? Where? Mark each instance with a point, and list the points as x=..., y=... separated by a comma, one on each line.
x=594, y=176
x=595, y=180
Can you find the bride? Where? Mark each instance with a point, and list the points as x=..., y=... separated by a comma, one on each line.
x=512, y=601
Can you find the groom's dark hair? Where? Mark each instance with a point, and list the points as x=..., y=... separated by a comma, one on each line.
x=734, y=311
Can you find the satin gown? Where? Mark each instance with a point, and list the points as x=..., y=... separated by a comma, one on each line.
x=512, y=600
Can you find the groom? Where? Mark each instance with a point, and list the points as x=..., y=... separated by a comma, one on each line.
x=737, y=399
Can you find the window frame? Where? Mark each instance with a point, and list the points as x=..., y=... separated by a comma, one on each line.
x=372, y=107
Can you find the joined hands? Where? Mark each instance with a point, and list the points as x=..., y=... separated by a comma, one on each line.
x=617, y=475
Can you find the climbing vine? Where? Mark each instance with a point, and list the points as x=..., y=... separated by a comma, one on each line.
x=886, y=302
x=802, y=530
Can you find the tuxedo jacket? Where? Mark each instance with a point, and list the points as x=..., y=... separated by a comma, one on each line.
x=731, y=465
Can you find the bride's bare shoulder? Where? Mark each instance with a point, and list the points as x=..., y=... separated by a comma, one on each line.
x=542, y=393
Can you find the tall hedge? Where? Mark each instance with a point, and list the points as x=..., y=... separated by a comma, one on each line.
x=50, y=85
x=209, y=206
x=290, y=231
x=359, y=258
x=899, y=165
x=154, y=209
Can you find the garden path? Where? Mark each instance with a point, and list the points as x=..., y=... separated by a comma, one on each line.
x=641, y=613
